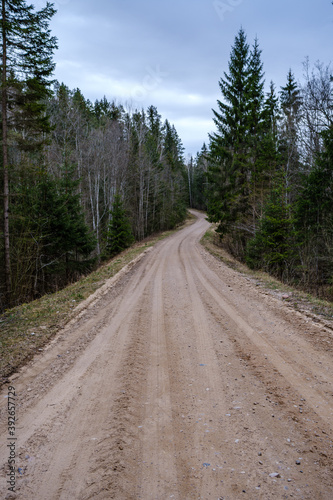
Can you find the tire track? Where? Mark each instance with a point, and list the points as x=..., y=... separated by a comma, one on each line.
x=159, y=470
x=316, y=400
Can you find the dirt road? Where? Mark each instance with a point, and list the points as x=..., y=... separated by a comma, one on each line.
x=184, y=381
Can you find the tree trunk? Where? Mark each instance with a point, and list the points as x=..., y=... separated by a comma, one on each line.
x=5, y=156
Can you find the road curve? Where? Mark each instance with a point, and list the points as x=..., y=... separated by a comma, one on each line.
x=185, y=381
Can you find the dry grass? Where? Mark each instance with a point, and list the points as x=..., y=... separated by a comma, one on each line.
x=299, y=300
x=27, y=328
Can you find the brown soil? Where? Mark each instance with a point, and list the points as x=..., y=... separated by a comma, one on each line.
x=182, y=380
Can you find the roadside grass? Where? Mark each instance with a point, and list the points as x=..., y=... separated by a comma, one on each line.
x=299, y=300
x=26, y=329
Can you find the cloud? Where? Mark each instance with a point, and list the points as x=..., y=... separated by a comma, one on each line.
x=172, y=54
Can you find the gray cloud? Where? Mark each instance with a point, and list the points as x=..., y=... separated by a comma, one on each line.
x=172, y=54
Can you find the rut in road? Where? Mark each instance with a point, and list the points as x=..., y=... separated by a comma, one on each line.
x=183, y=381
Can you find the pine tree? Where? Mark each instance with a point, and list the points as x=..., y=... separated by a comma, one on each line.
x=27, y=47
x=119, y=236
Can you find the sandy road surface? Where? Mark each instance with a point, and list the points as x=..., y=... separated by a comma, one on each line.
x=183, y=381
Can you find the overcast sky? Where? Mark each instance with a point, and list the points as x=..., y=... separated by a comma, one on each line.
x=172, y=53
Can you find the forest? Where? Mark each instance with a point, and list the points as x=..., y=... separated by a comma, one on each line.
x=268, y=170
x=81, y=180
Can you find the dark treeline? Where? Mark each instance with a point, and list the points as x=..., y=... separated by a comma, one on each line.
x=80, y=180
x=63, y=197
x=268, y=172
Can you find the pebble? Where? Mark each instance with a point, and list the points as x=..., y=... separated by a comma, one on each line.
x=298, y=462
x=274, y=474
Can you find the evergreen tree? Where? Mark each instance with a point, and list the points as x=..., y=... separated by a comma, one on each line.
x=273, y=246
x=271, y=113
x=229, y=145
x=237, y=167
x=197, y=179
x=314, y=217
x=291, y=108
x=119, y=234
x=154, y=137
x=269, y=156
x=26, y=65
x=174, y=192
x=48, y=214
x=69, y=234
x=200, y=179
x=290, y=98
x=255, y=99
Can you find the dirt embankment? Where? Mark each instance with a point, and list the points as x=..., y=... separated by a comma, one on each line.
x=183, y=380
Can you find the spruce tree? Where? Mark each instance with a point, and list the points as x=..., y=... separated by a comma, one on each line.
x=26, y=65
x=272, y=248
x=314, y=216
x=119, y=236
x=48, y=222
x=255, y=96
x=231, y=117
x=269, y=156
x=199, y=184
x=255, y=100
x=229, y=145
x=290, y=98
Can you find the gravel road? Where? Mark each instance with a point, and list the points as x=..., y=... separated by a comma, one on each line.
x=181, y=380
